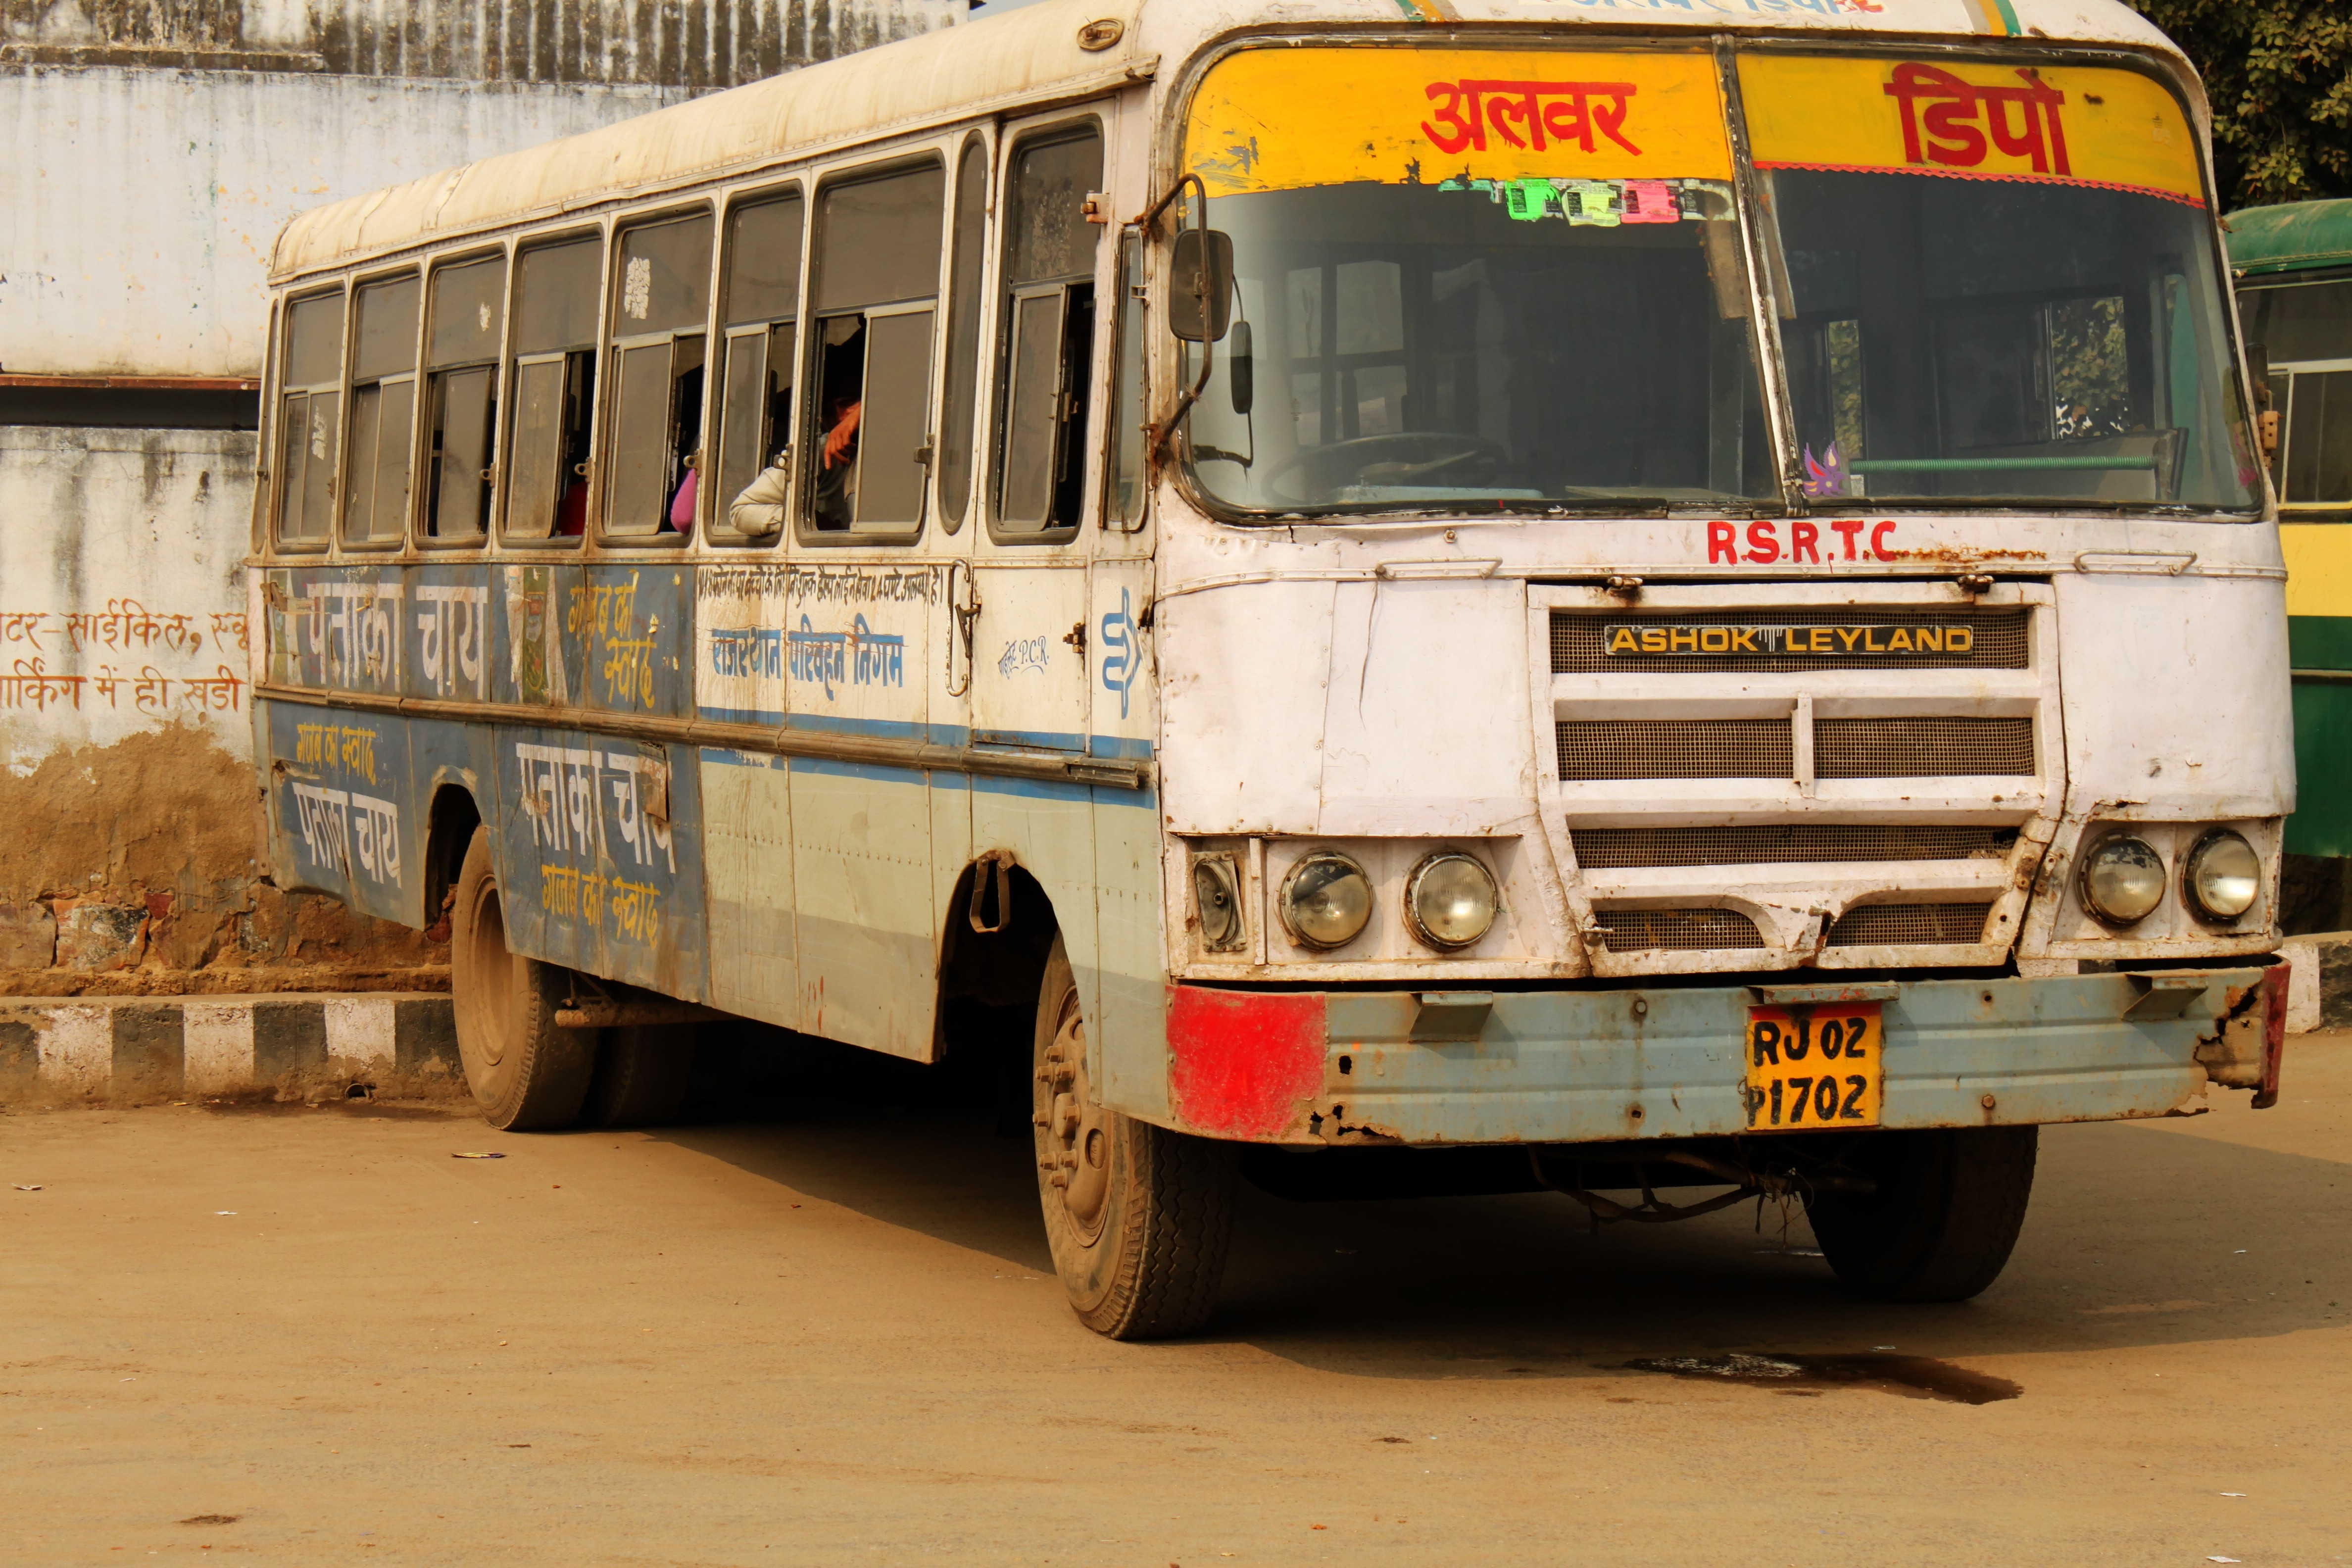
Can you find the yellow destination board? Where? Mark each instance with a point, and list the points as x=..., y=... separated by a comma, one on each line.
x=1279, y=119
x=1967, y=120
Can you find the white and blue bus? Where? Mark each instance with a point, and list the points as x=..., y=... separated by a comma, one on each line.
x=1628, y=596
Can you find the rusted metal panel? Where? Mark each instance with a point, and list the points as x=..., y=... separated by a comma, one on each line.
x=1592, y=1067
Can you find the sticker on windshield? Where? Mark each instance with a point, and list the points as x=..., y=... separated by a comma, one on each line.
x=2113, y=130
x=1588, y=137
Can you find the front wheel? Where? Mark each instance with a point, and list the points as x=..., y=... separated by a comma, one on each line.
x=1949, y=1206
x=1138, y=1218
x=528, y=1074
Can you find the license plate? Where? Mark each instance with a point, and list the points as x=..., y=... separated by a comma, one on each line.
x=1815, y=1066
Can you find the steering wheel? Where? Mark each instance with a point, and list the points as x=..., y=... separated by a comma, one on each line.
x=1450, y=459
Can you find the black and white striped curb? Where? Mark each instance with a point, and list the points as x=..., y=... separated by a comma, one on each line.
x=142, y=1046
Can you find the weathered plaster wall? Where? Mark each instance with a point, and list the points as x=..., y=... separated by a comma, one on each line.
x=126, y=820
x=137, y=208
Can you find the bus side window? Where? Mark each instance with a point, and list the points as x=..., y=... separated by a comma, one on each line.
x=867, y=456
x=383, y=412
x=660, y=310
x=468, y=319
x=755, y=410
x=308, y=428
x=554, y=389
x=1047, y=354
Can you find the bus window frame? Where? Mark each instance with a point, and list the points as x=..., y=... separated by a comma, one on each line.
x=990, y=146
x=712, y=527
x=510, y=367
x=502, y=251
x=2274, y=470
x=1002, y=301
x=1131, y=301
x=339, y=288
x=412, y=378
x=261, y=539
x=937, y=151
x=604, y=444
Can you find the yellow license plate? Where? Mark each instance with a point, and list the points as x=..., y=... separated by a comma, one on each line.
x=1815, y=1066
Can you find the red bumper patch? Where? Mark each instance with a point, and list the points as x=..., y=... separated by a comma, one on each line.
x=1241, y=1062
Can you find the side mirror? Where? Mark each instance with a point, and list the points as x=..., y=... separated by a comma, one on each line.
x=1241, y=368
x=1201, y=285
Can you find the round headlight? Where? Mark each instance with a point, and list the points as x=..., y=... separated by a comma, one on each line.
x=1326, y=900
x=1449, y=900
x=2123, y=880
x=2223, y=875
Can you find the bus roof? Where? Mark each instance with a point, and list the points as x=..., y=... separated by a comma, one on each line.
x=2291, y=237
x=1030, y=53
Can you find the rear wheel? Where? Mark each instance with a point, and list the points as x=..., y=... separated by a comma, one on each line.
x=641, y=1076
x=528, y=1074
x=1947, y=1209
x=1138, y=1218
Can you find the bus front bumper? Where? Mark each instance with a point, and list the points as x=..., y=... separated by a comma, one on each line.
x=1592, y=1066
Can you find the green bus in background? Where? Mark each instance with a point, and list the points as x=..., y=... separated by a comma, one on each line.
x=2293, y=268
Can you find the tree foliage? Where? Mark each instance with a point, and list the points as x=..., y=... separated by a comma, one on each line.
x=2280, y=74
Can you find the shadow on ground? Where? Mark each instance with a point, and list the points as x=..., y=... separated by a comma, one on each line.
x=2139, y=1234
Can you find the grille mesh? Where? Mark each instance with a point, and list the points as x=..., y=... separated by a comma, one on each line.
x=1910, y=925
x=1998, y=640
x=1631, y=930
x=1921, y=748
x=1674, y=749
x=1775, y=843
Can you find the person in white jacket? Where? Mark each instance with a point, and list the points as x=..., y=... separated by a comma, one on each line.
x=758, y=511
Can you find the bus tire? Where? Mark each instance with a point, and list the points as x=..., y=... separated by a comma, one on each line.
x=1950, y=1204
x=642, y=1073
x=528, y=1074
x=1138, y=1218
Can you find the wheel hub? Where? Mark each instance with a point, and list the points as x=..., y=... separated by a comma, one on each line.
x=1074, y=1143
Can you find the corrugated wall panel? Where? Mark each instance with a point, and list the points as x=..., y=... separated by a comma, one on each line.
x=699, y=45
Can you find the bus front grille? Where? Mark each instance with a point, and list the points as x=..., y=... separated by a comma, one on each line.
x=1674, y=749
x=1782, y=843
x=1910, y=925
x=1921, y=748
x=1631, y=930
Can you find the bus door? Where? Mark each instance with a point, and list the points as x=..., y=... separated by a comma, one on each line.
x=1031, y=655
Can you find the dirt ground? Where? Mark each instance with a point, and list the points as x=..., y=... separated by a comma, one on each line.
x=822, y=1329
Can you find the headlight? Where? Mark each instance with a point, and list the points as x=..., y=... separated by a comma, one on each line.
x=1216, y=888
x=2223, y=874
x=2123, y=880
x=1326, y=900
x=1449, y=900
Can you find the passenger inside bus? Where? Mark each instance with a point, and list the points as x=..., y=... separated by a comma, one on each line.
x=842, y=397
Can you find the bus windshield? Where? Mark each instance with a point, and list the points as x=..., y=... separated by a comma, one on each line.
x=1517, y=280
x=1996, y=283
x=1460, y=344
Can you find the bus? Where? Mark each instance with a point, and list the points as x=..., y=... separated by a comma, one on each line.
x=2293, y=268
x=1669, y=601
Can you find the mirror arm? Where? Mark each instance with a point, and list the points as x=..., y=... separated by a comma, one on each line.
x=1147, y=223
